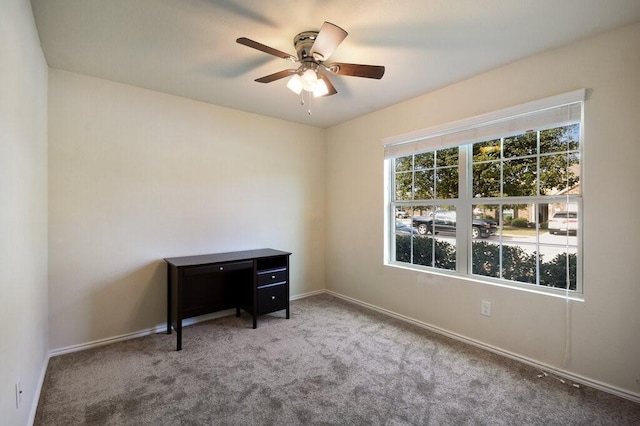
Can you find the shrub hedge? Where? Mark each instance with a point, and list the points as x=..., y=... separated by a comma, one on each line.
x=517, y=264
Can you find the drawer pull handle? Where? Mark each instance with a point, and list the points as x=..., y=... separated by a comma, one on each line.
x=273, y=298
x=273, y=277
x=222, y=268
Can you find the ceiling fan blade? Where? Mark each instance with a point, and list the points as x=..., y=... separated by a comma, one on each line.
x=266, y=49
x=275, y=76
x=357, y=70
x=332, y=90
x=329, y=37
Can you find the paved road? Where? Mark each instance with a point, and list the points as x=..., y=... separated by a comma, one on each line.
x=550, y=245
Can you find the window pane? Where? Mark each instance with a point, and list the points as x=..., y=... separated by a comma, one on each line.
x=404, y=164
x=560, y=139
x=485, y=221
x=485, y=151
x=485, y=254
x=519, y=223
x=424, y=161
x=445, y=254
x=444, y=227
x=422, y=219
x=519, y=239
x=559, y=246
x=559, y=267
x=424, y=185
x=403, y=246
x=447, y=157
x=403, y=234
x=404, y=186
x=486, y=258
x=486, y=179
x=519, y=178
x=444, y=220
x=404, y=213
x=564, y=221
x=422, y=222
x=560, y=173
x=521, y=145
x=447, y=183
x=519, y=263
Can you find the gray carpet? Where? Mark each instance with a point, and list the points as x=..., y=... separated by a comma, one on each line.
x=332, y=363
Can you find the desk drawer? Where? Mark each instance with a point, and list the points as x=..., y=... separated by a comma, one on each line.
x=219, y=267
x=272, y=298
x=272, y=276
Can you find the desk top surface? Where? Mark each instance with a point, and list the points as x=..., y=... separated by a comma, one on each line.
x=204, y=259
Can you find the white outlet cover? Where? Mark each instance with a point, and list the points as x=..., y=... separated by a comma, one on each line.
x=485, y=308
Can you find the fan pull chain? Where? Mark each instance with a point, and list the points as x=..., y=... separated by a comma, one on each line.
x=303, y=103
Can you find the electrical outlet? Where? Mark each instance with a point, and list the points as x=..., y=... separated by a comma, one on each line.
x=485, y=308
x=18, y=393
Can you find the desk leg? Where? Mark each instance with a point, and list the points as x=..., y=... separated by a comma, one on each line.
x=179, y=333
x=255, y=321
x=168, y=299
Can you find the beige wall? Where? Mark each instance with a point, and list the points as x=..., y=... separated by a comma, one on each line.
x=23, y=210
x=604, y=329
x=136, y=176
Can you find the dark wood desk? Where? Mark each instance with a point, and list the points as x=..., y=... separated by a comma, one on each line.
x=256, y=281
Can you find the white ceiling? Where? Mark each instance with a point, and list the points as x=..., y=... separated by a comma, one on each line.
x=187, y=47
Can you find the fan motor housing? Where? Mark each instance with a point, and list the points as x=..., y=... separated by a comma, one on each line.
x=303, y=43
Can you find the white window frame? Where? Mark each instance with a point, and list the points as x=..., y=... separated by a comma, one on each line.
x=554, y=111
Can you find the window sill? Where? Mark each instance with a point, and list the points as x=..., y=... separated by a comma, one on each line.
x=545, y=291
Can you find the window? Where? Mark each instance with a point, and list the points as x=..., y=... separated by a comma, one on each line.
x=495, y=197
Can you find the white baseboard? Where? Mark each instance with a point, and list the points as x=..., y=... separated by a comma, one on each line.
x=161, y=328
x=38, y=391
x=309, y=294
x=157, y=329
x=539, y=365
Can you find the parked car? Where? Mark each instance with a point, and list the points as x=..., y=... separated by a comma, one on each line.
x=445, y=220
x=402, y=229
x=401, y=214
x=564, y=223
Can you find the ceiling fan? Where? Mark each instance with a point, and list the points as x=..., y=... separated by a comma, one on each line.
x=313, y=49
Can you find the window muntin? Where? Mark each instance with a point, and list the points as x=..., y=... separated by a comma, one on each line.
x=518, y=182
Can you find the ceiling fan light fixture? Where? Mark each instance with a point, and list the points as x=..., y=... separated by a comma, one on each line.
x=313, y=48
x=295, y=84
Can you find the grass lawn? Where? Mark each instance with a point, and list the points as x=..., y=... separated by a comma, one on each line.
x=521, y=232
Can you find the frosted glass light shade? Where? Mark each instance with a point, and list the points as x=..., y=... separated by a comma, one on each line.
x=309, y=80
x=321, y=88
x=295, y=84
